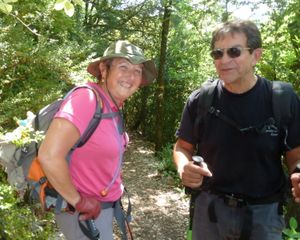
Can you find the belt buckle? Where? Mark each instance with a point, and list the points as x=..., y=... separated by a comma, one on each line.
x=233, y=201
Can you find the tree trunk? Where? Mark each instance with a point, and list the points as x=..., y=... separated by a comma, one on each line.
x=159, y=95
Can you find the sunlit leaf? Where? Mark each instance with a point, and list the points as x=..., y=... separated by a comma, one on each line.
x=79, y=2
x=59, y=4
x=69, y=9
x=293, y=223
x=9, y=1
x=287, y=232
x=5, y=8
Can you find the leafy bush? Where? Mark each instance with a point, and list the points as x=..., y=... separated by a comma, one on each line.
x=24, y=221
x=29, y=82
x=291, y=233
x=166, y=167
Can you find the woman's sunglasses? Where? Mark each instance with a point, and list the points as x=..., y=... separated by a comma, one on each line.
x=232, y=52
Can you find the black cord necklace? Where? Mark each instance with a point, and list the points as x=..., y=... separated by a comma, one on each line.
x=120, y=110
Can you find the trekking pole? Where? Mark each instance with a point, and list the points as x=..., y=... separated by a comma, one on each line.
x=197, y=160
x=89, y=229
x=129, y=230
x=93, y=230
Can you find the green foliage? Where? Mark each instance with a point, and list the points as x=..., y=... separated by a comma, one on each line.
x=24, y=134
x=29, y=82
x=34, y=70
x=186, y=59
x=281, y=43
x=5, y=6
x=67, y=6
x=19, y=221
x=3, y=176
x=292, y=233
x=166, y=167
x=187, y=56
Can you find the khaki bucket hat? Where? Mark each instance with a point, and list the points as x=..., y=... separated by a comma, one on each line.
x=125, y=49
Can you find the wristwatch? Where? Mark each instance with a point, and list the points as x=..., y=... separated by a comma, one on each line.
x=297, y=169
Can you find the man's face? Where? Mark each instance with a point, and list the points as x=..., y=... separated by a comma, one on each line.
x=123, y=78
x=239, y=69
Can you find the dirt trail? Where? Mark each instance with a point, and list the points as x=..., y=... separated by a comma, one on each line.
x=160, y=210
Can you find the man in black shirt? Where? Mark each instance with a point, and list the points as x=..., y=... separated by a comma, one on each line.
x=241, y=184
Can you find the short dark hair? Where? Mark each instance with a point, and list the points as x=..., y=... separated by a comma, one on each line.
x=246, y=27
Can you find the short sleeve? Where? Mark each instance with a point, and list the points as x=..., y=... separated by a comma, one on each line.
x=293, y=138
x=78, y=108
x=187, y=124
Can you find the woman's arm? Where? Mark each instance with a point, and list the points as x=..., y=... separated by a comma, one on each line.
x=60, y=138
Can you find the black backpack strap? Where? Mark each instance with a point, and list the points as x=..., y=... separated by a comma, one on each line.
x=205, y=98
x=123, y=217
x=204, y=102
x=282, y=93
x=219, y=114
x=206, y=95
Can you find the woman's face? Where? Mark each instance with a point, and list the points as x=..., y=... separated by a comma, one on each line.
x=122, y=78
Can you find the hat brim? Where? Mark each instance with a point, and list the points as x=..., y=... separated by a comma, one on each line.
x=149, y=70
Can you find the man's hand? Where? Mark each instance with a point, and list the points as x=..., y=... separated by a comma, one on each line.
x=88, y=208
x=295, y=179
x=192, y=175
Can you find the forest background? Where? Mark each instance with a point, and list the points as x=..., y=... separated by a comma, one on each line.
x=45, y=46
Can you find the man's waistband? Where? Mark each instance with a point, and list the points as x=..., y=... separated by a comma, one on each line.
x=236, y=200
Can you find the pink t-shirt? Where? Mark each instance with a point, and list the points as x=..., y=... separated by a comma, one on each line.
x=94, y=165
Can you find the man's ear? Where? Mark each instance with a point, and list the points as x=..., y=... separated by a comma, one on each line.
x=103, y=69
x=257, y=53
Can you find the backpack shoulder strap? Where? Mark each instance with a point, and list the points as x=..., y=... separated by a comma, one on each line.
x=206, y=94
x=95, y=120
x=98, y=115
x=205, y=97
x=282, y=93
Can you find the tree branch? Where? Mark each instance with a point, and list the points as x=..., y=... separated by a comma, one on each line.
x=25, y=25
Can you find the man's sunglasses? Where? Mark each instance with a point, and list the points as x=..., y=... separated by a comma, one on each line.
x=232, y=52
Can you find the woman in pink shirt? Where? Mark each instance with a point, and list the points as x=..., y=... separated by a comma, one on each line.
x=91, y=184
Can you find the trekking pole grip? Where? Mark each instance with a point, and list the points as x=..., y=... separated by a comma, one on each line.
x=93, y=230
x=198, y=160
